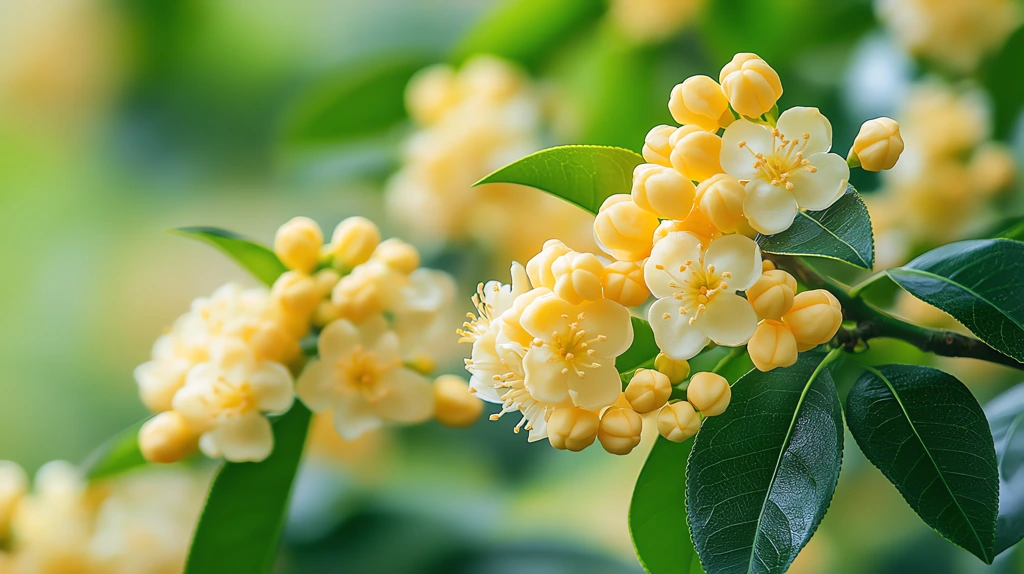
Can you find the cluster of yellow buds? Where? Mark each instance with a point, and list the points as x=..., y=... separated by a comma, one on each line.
x=140, y=522
x=472, y=121
x=646, y=21
x=228, y=363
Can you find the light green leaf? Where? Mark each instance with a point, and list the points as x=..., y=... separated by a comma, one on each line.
x=241, y=525
x=581, y=174
x=1005, y=415
x=927, y=434
x=119, y=454
x=842, y=232
x=253, y=257
x=642, y=351
x=762, y=474
x=979, y=283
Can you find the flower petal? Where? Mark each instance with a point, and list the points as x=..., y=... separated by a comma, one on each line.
x=728, y=319
x=823, y=187
x=670, y=253
x=738, y=255
x=610, y=319
x=247, y=437
x=338, y=338
x=770, y=209
x=599, y=388
x=317, y=386
x=675, y=336
x=795, y=122
x=544, y=318
x=738, y=161
x=408, y=398
x=545, y=379
x=273, y=387
x=353, y=417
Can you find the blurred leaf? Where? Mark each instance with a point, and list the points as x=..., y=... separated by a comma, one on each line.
x=1004, y=85
x=525, y=31
x=843, y=232
x=245, y=511
x=352, y=104
x=1005, y=415
x=253, y=257
x=117, y=455
x=1009, y=228
x=643, y=350
x=979, y=283
x=762, y=474
x=581, y=174
x=927, y=434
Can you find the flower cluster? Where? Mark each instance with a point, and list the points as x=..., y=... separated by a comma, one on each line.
x=228, y=364
x=137, y=524
x=644, y=21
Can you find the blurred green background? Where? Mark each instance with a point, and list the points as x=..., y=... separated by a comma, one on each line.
x=120, y=120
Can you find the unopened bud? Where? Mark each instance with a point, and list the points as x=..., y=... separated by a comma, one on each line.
x=720, y=199
x=624, y=230
x=398, y=255
x=297, y=244
x=620, y=429
x=167, y=438
x=354, y=241
x=878, y=144
x=363, y=292
x=538, y=268
x=326, y=279
x=297, y=293
x=657, y=147
x=624, y=283
x=272, y=342
x=676, y=370
x=767, y=265
x=648, y=390
x=699, y=101
x=750, y=84
x=709, y=393
x=695, y=152
x=772, y=294
x=662, y=191
x=572, y=428
x=454, y=405
x=771, y=346
x=578, y=277
x=430, y=93
x=992, y=168
x=815, y=317
x=678, y=421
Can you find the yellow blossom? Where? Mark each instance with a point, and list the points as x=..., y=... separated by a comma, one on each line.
x=700, y=101
x=454, y=404
x=772, y=345
x=695, y=153
x=750, y=84
x=623, y=283
x=623, y=229
x=678, y=421
x=619, y=431
x=709, y=393
x=648, y=390
x=572, y=428
x=878, y=144
x=298, y=244
x=662, y=191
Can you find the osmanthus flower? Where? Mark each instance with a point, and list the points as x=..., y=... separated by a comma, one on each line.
x=226, y=399
x=696, y=291
x=786, y=168
x=361, y=377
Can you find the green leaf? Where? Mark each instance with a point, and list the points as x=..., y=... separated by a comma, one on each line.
x=255, y=258
x=927, y=434
x=642, y=351
x=241, y=524
x=762, y=474
x=1005, y=415
x=979, y=283
x=1006, y=89
x=1009, y=228
x=119, y=454
x=581, y=174
x=526, y=31
x=351, y=104
x=842, y=232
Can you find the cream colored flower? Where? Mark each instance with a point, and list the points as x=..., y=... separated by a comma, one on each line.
x=623, y=229
x=772, y=345
x=696, y=290
x=750, y=84
x=572, y=428
x=700, y=101
x=361, y=377
x=787, y=168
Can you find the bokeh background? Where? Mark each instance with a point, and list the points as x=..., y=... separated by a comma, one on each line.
x=120, y=120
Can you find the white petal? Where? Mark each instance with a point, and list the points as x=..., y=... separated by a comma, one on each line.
x=317, y=386
x=598, y=389
x=208, y=445
x=670, y=253
x=408, y=398
x=353, y=417
x=738, y=161
x=728, y=319
x=770, y=209
x=244, y=438
x=338, y=338
x=737, y=254
x=675, y=336
x=192, y=400
x=610, y=319
x=818, y=190
x=538, y=430
x=544, y=377
x=795, y=122
x=520, y=281
x=273, y=387
x=544, y=317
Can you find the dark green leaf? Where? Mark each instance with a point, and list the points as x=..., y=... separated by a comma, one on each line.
x=119, y=454
x=245, y=511
x=1009, y=228
x=980, y=283
x=581, y=174
x=1005, y=87
x=762, y=474
x=526, y=31
x=255, y=258
x=642, y=351
x=1005, y=415
x=927, y=434
x=843, y=232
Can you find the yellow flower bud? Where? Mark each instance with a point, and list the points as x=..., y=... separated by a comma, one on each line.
x=624, y=283
x=648, y=390
x=298, y=293
x=767, y=265
x=815, y=317
x=354, y=241
x=624, y=230
x=430, y=93
x=326, y=279
x=662, y=190
x=363, y=292
x=772, y=294
x=992, y=168
x=676, y=370
x=709, y=393
x=325, y=313
x=398, y=255
x=878, y=144
x=699, y=101
x=678, y=421
x=772, y=345
x=619, y=432
x=454, y=405
x=657, y=147
x=422, y=364
x=167, y=438
x=572, y=428
x=273, y=342
x=720, y=199
x=750, y=84
x=695, y=153
x=577, y=277
x=298, y=244
x=538, y=268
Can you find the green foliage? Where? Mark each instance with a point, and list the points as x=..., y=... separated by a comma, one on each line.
x=979, y=283
x=761, y=474
x=581, y=174
x=1011, y=228
x=643, y=350
x=253, y=257
x=245, y=511
x=927, y=434
x=1004, y=85
x=119, y=454
x=842, y=232
x=1005, y=415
